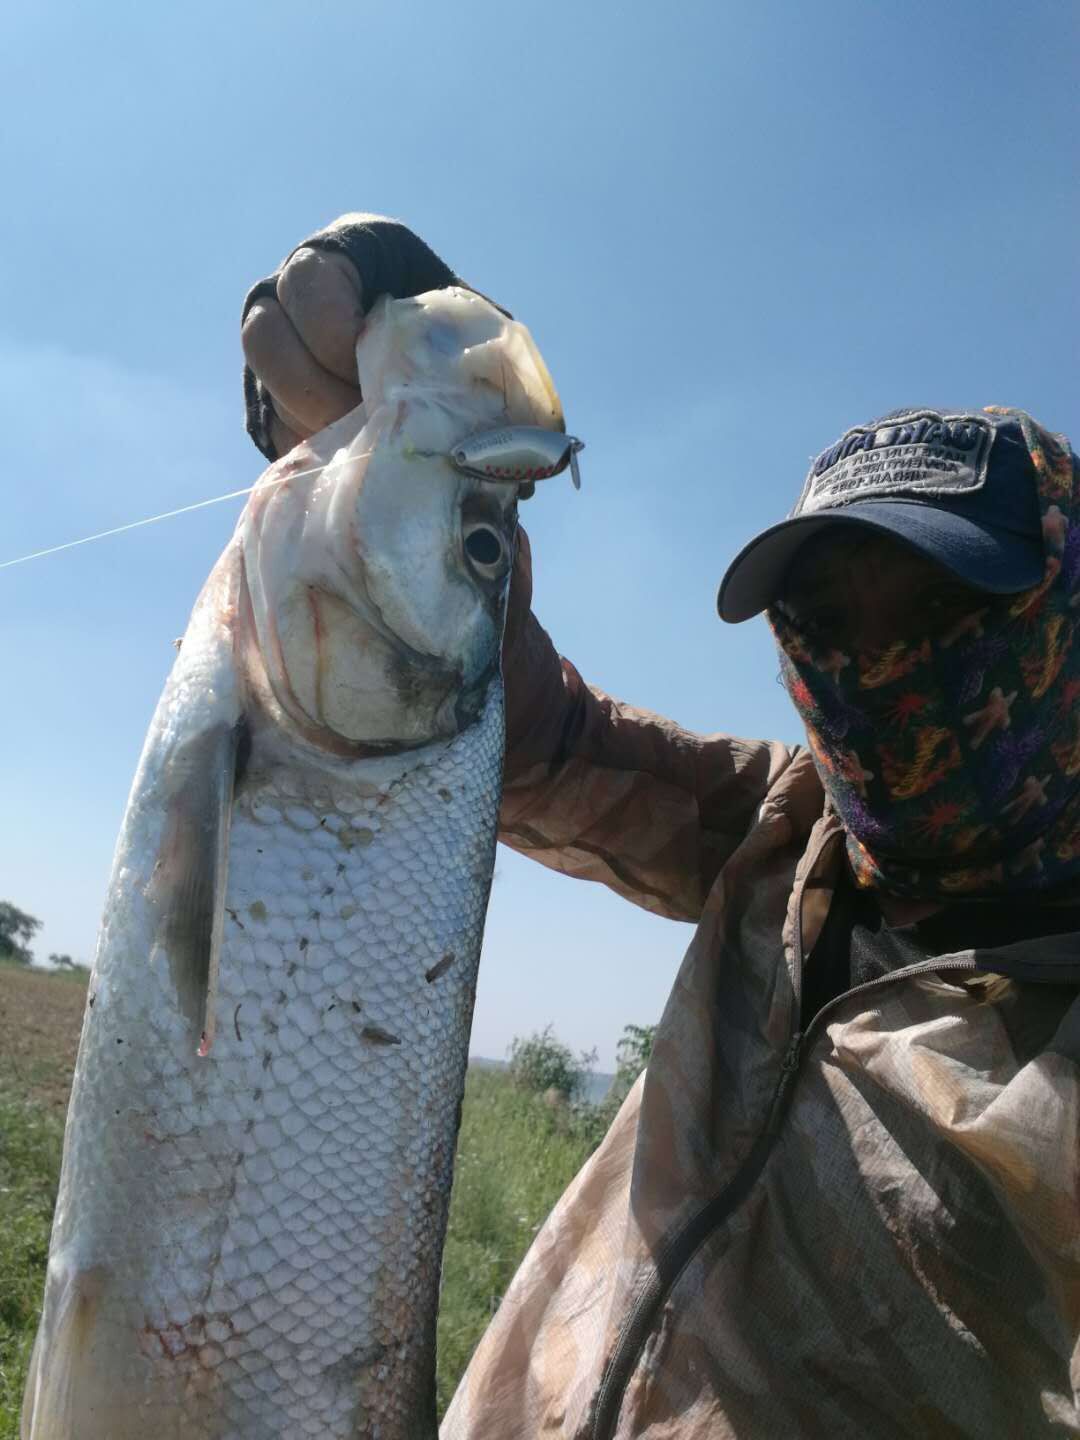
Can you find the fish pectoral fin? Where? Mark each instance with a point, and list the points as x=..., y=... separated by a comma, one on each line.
x=63, y=1363
x=189, y=877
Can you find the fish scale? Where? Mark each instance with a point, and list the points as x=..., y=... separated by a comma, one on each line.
x=329, y=1140
x=258, y=1155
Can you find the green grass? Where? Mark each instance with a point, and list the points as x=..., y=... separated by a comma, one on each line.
x=30, y=1140
x=515, y=1158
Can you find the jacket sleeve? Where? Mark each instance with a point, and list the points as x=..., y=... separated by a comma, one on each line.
x=603, y=791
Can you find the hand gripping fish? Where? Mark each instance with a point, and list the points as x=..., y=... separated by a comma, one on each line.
x=259, y=1146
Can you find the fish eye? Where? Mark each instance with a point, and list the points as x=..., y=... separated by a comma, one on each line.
x=486, y=549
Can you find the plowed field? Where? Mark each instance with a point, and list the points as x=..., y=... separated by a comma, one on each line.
x=40, y=1019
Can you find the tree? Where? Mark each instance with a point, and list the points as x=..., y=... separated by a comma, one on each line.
x=65, y=962
x=17, y=929
x=631, y=1057
x=541, y=1063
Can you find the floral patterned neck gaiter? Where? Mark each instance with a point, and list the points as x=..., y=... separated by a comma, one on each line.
x=954, y=763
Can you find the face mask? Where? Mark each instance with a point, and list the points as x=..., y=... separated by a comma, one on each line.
x=954, y=762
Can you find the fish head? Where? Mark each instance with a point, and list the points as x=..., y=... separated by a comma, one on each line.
x=376, y=573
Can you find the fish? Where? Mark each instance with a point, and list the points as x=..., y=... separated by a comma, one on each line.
x=260, y=1139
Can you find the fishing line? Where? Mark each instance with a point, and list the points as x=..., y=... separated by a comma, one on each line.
x=170, y=514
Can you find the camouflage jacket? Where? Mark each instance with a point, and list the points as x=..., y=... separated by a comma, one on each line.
x=867, y=1224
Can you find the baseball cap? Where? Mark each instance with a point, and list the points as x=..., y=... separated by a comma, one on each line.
x=958, y=486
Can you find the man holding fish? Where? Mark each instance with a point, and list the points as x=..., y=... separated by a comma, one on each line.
x=845, y=1199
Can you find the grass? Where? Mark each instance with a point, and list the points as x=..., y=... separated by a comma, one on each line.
x=515, y=1158
x=516, y=1155
x=30, y=1140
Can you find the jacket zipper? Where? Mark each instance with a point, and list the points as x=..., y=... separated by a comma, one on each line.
x=676, y=1253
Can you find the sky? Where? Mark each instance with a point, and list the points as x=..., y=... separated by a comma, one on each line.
x=735, y=229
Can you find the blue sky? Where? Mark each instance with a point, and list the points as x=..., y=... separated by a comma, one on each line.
x=734, y=229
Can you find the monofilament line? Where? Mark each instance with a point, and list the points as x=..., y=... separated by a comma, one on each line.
x=119, y=529
x=168, y=514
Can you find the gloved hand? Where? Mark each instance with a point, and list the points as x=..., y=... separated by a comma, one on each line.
x=299, y=329
x=300, y=325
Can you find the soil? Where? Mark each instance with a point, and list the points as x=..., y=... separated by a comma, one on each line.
x=40, y=1020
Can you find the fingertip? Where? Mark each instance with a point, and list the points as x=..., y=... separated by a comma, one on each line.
x=260, y=321
x=282, y=437
x=322, y=295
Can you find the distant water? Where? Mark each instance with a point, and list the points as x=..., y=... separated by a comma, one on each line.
x=597, y=1083
x=596, y=1086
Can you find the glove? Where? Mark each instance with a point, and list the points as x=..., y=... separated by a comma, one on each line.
x=300, y=325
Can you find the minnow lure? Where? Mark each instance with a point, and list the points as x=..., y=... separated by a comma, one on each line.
x=519, y=453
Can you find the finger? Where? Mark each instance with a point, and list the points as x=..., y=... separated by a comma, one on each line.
x=522, y=575
x=287, y=418
x=283, y=438
x=520, y=597
x=321, y=293
x=299, y=384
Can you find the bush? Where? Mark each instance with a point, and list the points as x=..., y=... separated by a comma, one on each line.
x=541, y=1063
x=631, y=1057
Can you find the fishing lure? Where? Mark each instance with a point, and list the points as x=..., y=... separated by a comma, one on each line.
x=521, y=453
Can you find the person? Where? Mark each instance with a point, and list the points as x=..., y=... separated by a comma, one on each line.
x=845, y=1198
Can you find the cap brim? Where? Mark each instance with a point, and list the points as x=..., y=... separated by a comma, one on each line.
x=999, y=562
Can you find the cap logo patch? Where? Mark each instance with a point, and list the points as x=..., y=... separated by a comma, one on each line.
x=922, y=455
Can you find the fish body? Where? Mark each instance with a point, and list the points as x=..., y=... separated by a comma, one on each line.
x=259, y=1146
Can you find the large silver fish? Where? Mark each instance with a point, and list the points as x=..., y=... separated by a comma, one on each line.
x=260, y=1141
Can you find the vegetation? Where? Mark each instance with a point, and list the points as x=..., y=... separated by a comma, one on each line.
x=73, y=967
x=30, y=1139
x=631, y=1056
x=518, y=1149
x=541, y=1063
x=17, y=929
x=521, y=1144
x=514, y=1160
